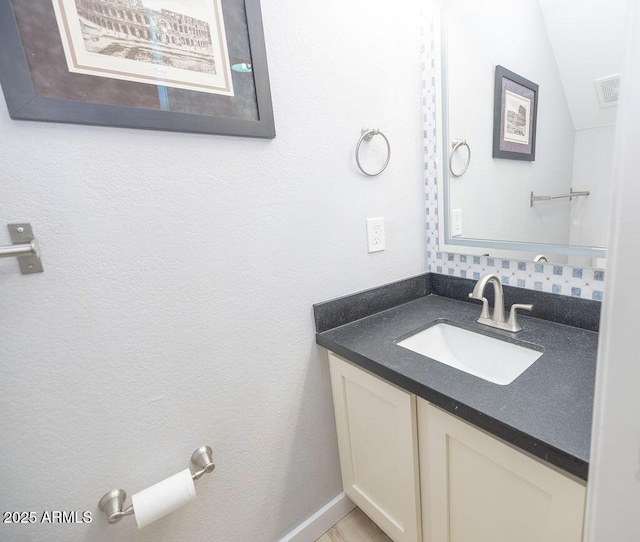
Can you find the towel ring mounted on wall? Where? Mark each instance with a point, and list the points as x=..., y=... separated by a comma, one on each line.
x=455, y=145
x=367, y=135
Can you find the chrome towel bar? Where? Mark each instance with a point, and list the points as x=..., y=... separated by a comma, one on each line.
x=17, y=250
x=25, y=248
x=570, y=195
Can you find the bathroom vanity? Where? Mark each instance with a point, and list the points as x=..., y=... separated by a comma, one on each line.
x=432, y=453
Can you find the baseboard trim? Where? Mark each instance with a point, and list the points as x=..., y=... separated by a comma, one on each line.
x=325, y=518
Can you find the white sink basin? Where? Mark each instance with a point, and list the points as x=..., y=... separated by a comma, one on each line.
x=494, y=360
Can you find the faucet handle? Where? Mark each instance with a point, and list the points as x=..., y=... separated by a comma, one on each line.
x=485, y=306
x=513, y=323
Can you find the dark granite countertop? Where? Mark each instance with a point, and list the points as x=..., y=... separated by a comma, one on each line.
x=546, y=411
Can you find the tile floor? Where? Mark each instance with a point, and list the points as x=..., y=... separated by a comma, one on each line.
x=354, y=527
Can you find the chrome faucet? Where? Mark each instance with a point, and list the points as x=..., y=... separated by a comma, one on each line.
x=497, y=320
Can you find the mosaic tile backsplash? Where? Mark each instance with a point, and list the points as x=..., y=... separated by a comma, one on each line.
x=585, y=283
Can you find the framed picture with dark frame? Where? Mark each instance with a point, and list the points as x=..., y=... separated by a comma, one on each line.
x=187, y=66
x=515, y=111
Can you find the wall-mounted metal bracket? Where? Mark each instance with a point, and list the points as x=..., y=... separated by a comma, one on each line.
x=25, y=248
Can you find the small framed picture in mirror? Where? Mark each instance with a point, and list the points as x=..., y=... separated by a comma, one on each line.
x=514, y=116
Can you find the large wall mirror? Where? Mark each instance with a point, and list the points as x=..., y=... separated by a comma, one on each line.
x=570, y=52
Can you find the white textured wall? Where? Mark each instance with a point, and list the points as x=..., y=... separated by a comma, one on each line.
x=180, y=270
x=494, y=193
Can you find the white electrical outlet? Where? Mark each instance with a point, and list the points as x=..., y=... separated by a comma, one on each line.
x=375, y=234
x=456, y=222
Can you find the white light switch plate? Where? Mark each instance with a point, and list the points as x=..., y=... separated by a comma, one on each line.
x=456, y=222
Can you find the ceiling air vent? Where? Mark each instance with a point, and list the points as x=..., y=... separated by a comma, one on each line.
x=607, y=89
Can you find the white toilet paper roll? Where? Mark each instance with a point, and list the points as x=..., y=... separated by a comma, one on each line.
x=163, y=498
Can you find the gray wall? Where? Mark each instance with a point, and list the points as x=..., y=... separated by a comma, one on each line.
x=180, y=270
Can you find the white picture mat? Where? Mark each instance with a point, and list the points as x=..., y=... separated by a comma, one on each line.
x=79, y=60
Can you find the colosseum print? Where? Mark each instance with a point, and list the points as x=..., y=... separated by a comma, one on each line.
x=129, y=30
x=179, y=43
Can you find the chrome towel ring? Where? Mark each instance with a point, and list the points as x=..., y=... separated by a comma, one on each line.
x=367, y=135
x=455, y=145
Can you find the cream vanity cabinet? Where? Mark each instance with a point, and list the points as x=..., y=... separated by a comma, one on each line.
x=377, y=440
x=424, y=475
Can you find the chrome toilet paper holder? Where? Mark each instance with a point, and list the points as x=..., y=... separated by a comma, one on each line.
x=112, y=502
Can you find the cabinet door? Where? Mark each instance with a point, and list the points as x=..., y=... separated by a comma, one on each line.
x=377, y=441
x=476, y=488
